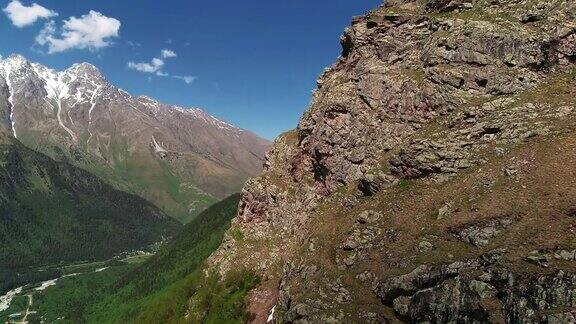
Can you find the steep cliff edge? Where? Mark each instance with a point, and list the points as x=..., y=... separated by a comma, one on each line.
x=431, y=178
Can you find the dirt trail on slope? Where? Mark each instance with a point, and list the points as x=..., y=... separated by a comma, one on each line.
x=27, y=312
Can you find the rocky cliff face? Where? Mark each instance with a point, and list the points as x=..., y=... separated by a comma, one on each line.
x=424, y=183
x=181, y=159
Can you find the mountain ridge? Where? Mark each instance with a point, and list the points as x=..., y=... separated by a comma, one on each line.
x=57, y=88
x=181, y=159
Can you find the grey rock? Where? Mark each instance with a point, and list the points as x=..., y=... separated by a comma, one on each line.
x=565, y=255
x=445, y=211
x=369, y=216
x=372, y=184
x=480, y=234
x=510, y=171
x=483, y=289
x=539, y=258
x=425, y=246
x=453, y=293
x=402, y=305
x=350, y=259
x=350, y=245
x=560, y=318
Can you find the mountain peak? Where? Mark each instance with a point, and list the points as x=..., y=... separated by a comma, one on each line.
x=84, y=66
x=15, y=60
x=16, y=57
x=86, y=69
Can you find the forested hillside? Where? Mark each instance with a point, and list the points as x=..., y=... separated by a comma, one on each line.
x=160, y=290
x=52, y=212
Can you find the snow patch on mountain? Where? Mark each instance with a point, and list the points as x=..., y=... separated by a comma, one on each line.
x=57, y=86
x=93, y=102
x=84, y=84
x=6, y=68
x=11, y=102
x=157, y=147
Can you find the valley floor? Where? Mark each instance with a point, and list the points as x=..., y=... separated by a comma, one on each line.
x=49, y=300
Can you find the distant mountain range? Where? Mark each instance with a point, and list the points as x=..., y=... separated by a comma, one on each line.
x=180, y=159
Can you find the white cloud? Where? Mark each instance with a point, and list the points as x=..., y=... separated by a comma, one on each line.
x=22, y=16
x=46, y=33
x=186, y=78
x=151, y=67
x=156, y=64
x=133, y=44
x=166, y=53
x=91, y=31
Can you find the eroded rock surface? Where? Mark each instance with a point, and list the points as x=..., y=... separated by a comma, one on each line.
x=382, y=206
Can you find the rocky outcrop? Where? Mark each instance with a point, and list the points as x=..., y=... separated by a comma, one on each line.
x=402, y=67
x=479, y=291
x=426, y=95
x=480, y=234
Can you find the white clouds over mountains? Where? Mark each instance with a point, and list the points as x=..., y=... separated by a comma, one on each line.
x=91, y=31
x=153, y=67
x=156, y=64
x=22, y=16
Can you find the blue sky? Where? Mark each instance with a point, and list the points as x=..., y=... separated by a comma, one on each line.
x=254, y=62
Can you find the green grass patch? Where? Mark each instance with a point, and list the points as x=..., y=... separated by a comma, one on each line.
x=403, y=184
x=237, y=234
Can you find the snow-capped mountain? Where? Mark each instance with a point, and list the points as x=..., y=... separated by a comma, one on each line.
x=78, y=114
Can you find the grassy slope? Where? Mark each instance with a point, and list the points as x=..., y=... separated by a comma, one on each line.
x=141, y=173
x=540, y=199
x=52, y=212
x=157, y=181
x=159, y=290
